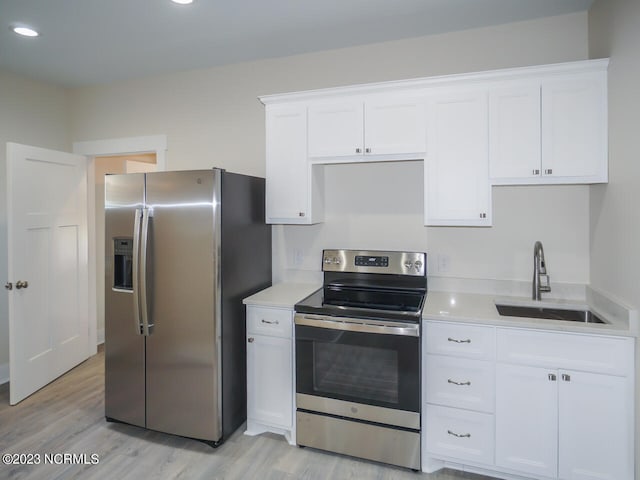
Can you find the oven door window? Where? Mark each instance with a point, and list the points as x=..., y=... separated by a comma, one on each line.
x=374, y=369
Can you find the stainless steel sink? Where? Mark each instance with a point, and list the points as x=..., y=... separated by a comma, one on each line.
x=584, y=316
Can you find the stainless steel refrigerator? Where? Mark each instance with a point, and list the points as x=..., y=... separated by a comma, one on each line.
x=182, y=251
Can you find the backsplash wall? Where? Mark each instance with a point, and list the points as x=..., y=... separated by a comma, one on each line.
x=380, y=206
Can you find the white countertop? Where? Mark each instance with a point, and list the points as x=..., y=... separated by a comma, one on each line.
x=477, y=308
x=463, y=307
x=283, y=295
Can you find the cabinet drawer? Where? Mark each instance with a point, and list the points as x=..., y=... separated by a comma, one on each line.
x=461, y=383
x=463, y=340
x=593, y=353
x=276, y=322
x=460, y=434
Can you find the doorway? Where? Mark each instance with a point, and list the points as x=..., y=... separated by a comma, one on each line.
x=132, y=154
x=105, y=165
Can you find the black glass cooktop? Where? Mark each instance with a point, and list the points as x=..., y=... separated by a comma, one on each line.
x=381, y=303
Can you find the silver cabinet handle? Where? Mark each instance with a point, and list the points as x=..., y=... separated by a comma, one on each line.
x=548, y=171
x=454, y=340
x=301, y=214
x=358, y=150
x=269, y=322
x=566, y=378
x=459, y=435
x=367, y=150
x=536, y=172
x=552, y=377
x=8, y=286
x=250, y=339
x=458, y=383
x=20, y=284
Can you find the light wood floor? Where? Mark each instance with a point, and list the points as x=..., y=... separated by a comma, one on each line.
x=67, y=416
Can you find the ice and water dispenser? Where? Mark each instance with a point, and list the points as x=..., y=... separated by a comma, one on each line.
x=123, y=263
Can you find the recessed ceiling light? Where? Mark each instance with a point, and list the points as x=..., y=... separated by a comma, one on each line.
x=25, y=31
x=182, y=2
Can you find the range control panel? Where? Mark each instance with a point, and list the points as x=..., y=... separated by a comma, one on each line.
x=362, y=261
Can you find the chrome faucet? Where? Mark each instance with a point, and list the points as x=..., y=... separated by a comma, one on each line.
x=540, y=276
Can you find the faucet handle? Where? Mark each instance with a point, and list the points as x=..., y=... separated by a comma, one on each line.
x=545, y=286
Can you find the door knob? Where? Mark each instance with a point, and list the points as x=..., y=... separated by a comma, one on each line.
x=20, y=284
x=8, y=286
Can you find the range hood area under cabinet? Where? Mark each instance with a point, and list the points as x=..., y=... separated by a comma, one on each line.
x=537, y=125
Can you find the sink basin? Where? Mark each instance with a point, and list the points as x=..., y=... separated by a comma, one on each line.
x=584, y=316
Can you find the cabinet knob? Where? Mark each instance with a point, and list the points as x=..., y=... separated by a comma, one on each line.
x=250, y=339
x=8, y=286
x=22, y=284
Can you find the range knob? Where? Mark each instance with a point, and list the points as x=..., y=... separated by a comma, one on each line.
x=418, y=264
x=327, y=260
x=336, y=260
x=408, y=264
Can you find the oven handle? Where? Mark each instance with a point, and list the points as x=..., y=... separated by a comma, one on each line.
x=358, y=325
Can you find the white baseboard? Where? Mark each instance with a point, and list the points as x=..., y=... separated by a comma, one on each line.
x=100, y=335
x=4, y=373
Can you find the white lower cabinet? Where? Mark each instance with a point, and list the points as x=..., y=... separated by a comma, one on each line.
x=564, y=405
x=270, y=385
x=547, y=405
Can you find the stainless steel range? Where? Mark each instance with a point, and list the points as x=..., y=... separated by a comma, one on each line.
x=358, y=356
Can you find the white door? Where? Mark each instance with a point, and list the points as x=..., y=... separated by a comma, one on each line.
x=596, y=427
x=336, y=130
x=47, y=265
x=527, y=419
x=269, y=382
x=395, y=126
x=456, y=169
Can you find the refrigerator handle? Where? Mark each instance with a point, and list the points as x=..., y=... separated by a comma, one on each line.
x=144, y=306
x=136, y=271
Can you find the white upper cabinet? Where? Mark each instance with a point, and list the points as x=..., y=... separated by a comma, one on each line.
x=514, y=133
x=336, y=129
x=574, y=128
x=358, y=130
x=289, y=186
x=533, y=125
x=457, y=189
x=549, y=130
x=394, y=126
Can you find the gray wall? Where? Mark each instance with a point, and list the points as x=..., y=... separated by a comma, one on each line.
x=31, y=113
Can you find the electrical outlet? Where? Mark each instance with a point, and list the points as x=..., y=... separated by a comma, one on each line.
x=444, y=262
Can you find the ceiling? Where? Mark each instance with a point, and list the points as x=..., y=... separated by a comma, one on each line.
x=88, y=42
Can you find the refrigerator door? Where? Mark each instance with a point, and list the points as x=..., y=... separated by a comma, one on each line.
x=124, y=346
x=183, y=348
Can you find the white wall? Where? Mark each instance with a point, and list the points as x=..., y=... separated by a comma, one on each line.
x=614, y=27
x=31, y=113
x=212, y=118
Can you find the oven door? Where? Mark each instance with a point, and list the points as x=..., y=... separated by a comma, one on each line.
x=365, y=362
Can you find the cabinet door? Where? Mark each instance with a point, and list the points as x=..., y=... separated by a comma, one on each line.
x=527, y=419
x=270, y=381
x=457, y=163
x=394, y=126
x=287, y=182
x=514, y=134
x=574, y=128
x=595, y=426
x=336, y=130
